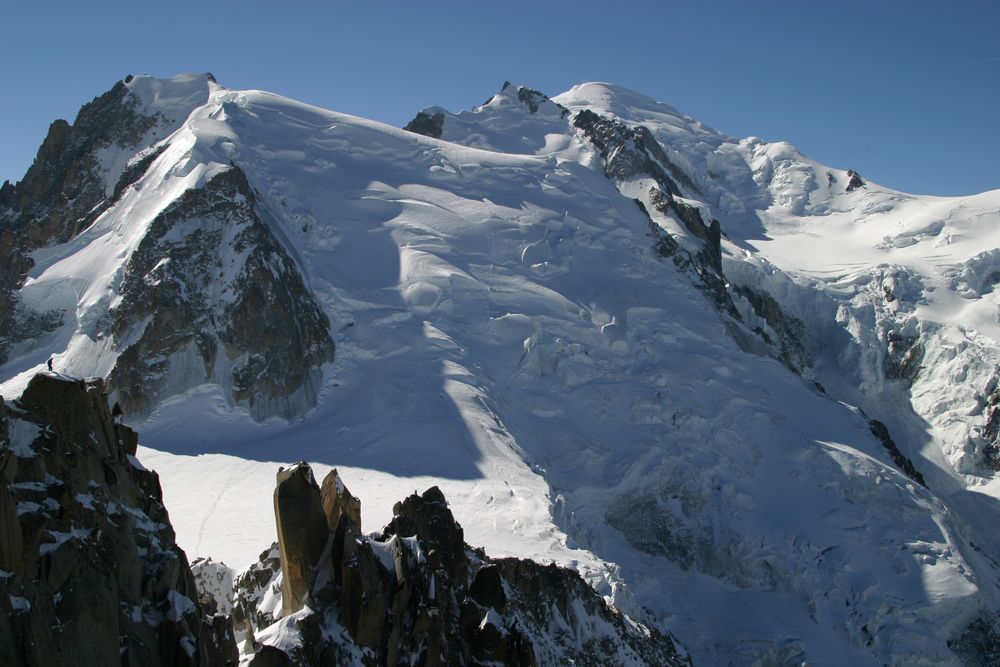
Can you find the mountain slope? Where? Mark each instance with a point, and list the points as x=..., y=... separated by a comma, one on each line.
x=585, y=320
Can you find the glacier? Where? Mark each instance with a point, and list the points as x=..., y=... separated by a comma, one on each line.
x=694, y=436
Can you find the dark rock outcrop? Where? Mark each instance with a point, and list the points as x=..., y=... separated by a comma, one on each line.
x=710, y=234
x=534, y=99
x=210, y=294
x=258, y=583
x=61, y=194
x=624, y=150
x=991, y=428
x=64, y=188
x=978, y=645
x=790, y=331
x=215, y=586
x=904, y=355
x=628, y=152
x=854, y=180
x=881, y=433
x=91, y=572
x=430, y=122
x=418, y=595
x=427, y=124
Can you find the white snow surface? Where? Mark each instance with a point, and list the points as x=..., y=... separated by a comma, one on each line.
x=505, y=332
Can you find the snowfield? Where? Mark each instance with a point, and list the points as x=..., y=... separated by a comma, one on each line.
x=505, y=331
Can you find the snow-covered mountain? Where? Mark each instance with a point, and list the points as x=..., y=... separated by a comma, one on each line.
x=753, y=400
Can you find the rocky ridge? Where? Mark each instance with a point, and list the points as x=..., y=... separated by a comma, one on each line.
x=80, y=171
x=90, y=573
x=416, y=594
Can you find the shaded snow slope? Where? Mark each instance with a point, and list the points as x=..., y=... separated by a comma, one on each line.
x=505, y=330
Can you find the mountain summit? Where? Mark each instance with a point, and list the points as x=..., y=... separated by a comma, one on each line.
x=751, y=399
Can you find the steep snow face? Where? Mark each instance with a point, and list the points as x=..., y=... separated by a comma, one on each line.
x=508, y=329
x=168, y=102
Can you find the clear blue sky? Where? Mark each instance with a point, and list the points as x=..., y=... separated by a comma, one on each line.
x=906, y=92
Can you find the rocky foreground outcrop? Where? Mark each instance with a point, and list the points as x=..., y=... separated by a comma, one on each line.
x=416, y=594
x=90, y=573
x=89, y=570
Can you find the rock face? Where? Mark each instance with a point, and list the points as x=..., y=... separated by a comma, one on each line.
x=215, y=586
x=211, y=295
x=91, y=573
x=881, y=434
x=990, y=431
x=979, y=643
x=302, y=533
x=61, y=189
x=63, y=192
x=427, y=124
x=418, y=595
x=854, y=180
x=532, y=99
x=787, y=333
x=338, y=502
x=903, y=358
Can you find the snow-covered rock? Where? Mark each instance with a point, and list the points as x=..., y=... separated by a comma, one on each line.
x=750, y=398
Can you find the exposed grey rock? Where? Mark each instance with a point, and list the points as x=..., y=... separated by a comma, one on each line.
x=98, y=579
x=881, y=433
x=255, y=583
x=628, y=152
x=905, y=354
x=711, y=233
x=664, y=245
x=991, y=427
x=427, y=124
x=790, y=331
x=215, y=586
x=623, y=150
x=61, y=194
x=534, y=99
x=978, y=645
x=210, y=294
x=58, y=195
x=854, y=180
